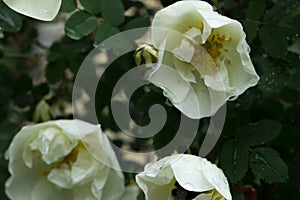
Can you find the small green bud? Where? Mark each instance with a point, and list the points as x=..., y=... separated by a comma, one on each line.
x=145, y=54
x=42, y=112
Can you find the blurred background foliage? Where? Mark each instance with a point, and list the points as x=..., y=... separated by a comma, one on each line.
x=259, y=147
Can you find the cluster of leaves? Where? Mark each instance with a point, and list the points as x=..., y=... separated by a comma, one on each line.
x=258, y=146
x=262, y=121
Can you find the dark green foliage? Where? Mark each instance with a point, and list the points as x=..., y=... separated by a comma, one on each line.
x=10, y=21
x=68, y=6
x=258, y=133
x=267, y=164
x=112, y=11
x=80, y=24
x=234, y=160
x=105, y=31
x=92, y=6
x=259, y=143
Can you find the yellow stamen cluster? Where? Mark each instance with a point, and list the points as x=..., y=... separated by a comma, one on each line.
x=215, y=43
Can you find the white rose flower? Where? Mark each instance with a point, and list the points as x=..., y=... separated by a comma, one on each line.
x=208, y=53
x=183, y=174
x=167, y=177
x=49, y=161
x=44, y=10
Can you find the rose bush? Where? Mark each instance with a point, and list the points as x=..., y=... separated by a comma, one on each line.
x=44, y=10
x=172, y=175
x=50, y=161
x=209, y=54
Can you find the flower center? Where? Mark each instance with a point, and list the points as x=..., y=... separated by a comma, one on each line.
x=68, y=159
x=215, y=44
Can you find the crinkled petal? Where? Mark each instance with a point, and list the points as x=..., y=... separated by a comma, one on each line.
x=44, y=10
x=185, y=52
x=157, y=181
x=114, y=187
x=85, y=167
x=61, y=177
x=74, y=173
x=188, y=173
x=185, y=70
x=240, y=70
x=180, y=16
x=169, y=79
x=191, y=172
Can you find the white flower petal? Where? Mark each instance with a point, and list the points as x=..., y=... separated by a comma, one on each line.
x=43, y=190
x=43, y=10
x=168, y=79
x=112, y=189
x=191, y=38
x=216, y=178
x=180, y=16
x=159, y=186
x=188, y=173
x=185, y=52
x=85, y=167
x=48, y=161
x=84, y=192
x=191, y=174
x=61, y=177
x=185, y=70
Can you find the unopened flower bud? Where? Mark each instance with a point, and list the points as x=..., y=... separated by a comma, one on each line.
x=42, y=112
x=145, y=54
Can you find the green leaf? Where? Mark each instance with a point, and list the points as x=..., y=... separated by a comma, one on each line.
x=93, y=6
x=137, y=22
x=234, y=160
x=267, y=164
x=68, y=6
x=255, y=9
x=274, y=41
x=112, y=11
x=274, y=81
x=258, y=133
x=10, y=21
x=251, y=30
x=105, y=31
x=55, y=71
x=80, y=24
x=282, y=11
